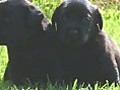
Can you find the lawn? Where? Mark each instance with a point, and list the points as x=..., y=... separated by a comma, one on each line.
x=111, y=17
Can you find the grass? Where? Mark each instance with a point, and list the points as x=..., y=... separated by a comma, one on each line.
x=3, y=60
x=111, y=17
x=112, y=23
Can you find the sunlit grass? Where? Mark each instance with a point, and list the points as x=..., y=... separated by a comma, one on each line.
x=3, y=60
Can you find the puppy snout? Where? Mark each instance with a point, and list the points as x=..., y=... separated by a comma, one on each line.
x=73, y=33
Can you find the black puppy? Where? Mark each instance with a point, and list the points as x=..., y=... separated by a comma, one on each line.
x=84, y=51
x=27, y=33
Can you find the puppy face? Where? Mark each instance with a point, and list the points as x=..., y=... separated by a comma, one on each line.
x=19, y=22
x=76, y=21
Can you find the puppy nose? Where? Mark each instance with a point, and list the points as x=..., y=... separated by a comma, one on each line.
x=73, y=31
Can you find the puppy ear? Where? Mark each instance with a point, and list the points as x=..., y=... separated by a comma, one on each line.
x=2, y=7
x=34, y=17
x=37, y=20
x=98, y=19
x=55, y=17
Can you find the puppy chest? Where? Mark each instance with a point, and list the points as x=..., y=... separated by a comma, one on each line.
x=80, y=63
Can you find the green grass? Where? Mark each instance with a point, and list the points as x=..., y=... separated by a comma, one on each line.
x=112, y=23
x=47, y=6
x=111, y=17
x=3, y=60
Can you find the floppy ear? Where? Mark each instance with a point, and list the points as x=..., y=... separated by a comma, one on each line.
x=34, y=17
x=37, y=20
x=55, y=17
x=98, y=19
x=2, y=7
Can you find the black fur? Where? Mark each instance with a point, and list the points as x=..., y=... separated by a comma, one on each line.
x=27, y=33
x=83, y=49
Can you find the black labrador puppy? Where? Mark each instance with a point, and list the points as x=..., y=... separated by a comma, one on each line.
x=28, y=35
x=83, y=49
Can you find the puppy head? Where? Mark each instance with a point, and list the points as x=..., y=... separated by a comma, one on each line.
x=76, y=21
x=20, y=21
